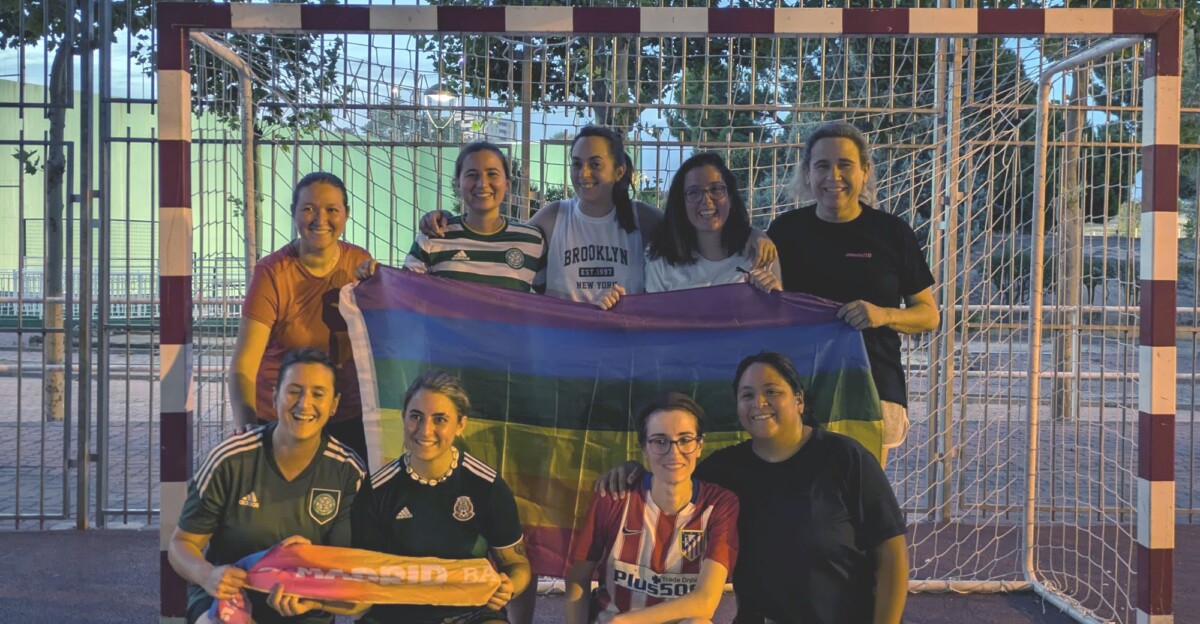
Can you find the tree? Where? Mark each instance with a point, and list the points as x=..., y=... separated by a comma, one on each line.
x=57, y=26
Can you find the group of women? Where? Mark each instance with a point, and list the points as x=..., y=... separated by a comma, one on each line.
x=803, y=519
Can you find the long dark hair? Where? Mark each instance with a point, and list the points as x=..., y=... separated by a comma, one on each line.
x=675, y=237
x=620, y=191
x=320, y=176
x=787, y=370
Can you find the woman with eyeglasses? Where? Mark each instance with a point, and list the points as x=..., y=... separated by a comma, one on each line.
x=820, y=534
x=704, y=227
x=665, y=550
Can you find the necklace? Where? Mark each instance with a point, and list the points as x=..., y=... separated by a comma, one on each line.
x=432, y=482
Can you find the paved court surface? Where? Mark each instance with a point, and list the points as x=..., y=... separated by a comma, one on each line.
x=111, y=576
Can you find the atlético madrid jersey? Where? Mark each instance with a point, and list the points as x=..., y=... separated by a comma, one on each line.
x=647, y=556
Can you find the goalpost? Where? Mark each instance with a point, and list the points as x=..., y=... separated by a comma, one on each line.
x=1030, y=148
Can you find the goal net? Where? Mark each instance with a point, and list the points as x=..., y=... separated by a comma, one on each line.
x=953, y=126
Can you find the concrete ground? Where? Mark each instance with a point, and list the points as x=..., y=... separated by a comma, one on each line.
x=111, y=576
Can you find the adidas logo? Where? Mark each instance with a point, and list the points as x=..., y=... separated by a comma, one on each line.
x=250, y=500
x=461, y=256
x=404, y=514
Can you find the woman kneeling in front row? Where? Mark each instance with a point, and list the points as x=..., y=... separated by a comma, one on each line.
x=666, y=549
x=435, y=501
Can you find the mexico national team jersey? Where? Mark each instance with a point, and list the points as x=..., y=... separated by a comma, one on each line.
x=462, y=517
x=648, y=556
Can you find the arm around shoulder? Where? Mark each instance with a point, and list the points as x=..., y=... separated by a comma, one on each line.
x=545, y=219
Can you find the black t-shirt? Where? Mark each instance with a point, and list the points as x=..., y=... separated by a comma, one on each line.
x=875, y=257
x=808, y=527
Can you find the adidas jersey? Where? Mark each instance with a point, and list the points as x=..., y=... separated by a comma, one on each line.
x=465, y=516
x=647, y=556
x=239, y=497
x=512, y=258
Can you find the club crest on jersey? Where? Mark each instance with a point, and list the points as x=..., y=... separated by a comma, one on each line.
x=691, y=544
x=514, y=258
x=323, y=504
x=463, y=509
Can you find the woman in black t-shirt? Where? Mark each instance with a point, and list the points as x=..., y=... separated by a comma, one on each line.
x=841, y=248
x=821, y=536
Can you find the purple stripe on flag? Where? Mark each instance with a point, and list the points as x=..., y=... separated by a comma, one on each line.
x=700, y=308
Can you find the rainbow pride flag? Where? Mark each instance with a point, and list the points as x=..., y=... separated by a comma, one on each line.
x=555, y=384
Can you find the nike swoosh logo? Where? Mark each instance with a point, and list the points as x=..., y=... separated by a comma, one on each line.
x=625, y=531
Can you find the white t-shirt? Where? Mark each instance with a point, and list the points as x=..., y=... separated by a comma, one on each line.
x=662, y=277
x=590, y=254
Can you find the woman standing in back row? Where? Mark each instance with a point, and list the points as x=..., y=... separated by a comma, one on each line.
x=843, y=249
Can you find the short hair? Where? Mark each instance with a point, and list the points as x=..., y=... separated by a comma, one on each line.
x=669, y=401
x=674, y=239
x=443, y=383
x=798, y=186
x=320, y=176
x=621, y=188
x=308, y=355
x=782, y=365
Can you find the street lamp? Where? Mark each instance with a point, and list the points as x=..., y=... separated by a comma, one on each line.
x=441, y=99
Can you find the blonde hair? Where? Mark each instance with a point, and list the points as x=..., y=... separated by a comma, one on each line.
x=797, y=187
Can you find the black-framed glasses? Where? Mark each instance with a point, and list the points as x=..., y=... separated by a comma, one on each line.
x=662, y=446
x=696, y=194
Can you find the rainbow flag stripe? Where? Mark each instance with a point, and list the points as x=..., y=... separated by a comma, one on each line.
x=555, y=384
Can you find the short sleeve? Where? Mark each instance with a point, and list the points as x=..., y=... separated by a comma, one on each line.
x=262, y=298
x=916, y=275
x=722, y=540
x=878, y=517
x=417, y=260
x=591, y=540
x=504, y=526
x=207, y=495
x=654, y=275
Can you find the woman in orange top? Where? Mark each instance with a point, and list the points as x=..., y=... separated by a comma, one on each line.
x=292, y=303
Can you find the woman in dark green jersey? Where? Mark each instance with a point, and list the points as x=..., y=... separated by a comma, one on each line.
x=285, y=480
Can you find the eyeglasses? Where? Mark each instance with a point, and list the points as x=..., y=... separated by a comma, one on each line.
x=662, y=446
x=696, y=194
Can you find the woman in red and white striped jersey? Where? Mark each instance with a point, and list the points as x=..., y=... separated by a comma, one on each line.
x=665, y=550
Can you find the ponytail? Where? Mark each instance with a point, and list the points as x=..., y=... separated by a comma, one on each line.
x=621, y=197
x=621, y=193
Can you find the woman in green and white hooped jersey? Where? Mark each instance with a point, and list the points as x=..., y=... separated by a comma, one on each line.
x=481, y=245
x=285, y=481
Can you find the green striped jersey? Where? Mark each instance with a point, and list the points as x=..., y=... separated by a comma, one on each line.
x=512, y=258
